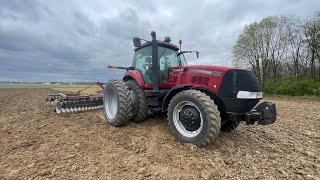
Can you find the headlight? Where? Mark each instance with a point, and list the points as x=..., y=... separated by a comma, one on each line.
x=249, y=95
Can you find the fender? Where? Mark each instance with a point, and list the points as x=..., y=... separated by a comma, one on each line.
x=213, y=96
x=173, y=91
x=135, y=75
x=217, y=100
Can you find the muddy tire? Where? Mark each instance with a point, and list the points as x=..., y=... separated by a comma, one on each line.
x=117, y=103
x=194, y=118
x=140, y=103
x=229, y=126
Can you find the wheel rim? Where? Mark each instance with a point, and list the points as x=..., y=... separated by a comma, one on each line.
x=181, y=125
x=110, y=103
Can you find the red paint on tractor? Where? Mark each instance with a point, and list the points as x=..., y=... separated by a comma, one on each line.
x=205, y=76
x=136, y=75
x=173, y=46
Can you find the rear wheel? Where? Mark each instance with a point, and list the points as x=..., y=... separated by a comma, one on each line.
x=117, y=103
x=194, y=118
x=140, y=104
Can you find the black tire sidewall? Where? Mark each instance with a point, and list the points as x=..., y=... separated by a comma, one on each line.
x=140, y=108
x=206, y=122
x=135, y=91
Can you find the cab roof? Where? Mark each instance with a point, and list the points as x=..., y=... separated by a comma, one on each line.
x=160, y=43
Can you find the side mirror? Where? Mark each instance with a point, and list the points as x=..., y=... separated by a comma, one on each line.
x=136, y=42
x=197, y=54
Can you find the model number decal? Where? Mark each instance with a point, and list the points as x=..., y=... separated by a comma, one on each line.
x=216, y=73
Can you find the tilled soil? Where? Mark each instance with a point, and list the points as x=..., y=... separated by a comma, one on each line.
x=36, y=143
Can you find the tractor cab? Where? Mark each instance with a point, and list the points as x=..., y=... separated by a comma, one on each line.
x=154, y=58
x=168, y=56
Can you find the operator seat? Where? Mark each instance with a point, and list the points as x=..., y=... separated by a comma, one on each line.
x=148, y=69
x=165, y=72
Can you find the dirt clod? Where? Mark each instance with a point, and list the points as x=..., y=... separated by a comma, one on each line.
x=205, y=174
x=44, y=173
x=141, y=171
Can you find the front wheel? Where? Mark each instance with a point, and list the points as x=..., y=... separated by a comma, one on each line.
x=194, y=118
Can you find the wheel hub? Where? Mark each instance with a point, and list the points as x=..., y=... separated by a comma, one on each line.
x=190, y=118
x=187, y=119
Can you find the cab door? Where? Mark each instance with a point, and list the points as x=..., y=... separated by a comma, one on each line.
x=142, y=61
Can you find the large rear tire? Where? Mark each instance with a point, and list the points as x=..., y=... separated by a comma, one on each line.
x=117, y=103
x=194, y=118
x=140, y=103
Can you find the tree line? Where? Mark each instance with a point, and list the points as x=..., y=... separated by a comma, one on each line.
x=280, y=47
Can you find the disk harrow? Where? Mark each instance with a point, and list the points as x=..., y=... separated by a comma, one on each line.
x=73, y=102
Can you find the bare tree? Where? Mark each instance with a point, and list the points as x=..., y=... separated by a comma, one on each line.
x=295, y=39
x=261, y=46
x=311, y=30
x=280, y=46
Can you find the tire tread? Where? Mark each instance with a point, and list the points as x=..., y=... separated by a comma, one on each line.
x=125, y=104
x=211, y=113
x=142, y=112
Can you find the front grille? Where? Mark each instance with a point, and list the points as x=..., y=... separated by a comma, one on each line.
x=234, y=81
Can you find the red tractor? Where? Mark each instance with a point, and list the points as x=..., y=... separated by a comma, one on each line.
x=200, y=100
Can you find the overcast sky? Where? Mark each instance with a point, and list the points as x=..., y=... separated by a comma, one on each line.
x=42, y=40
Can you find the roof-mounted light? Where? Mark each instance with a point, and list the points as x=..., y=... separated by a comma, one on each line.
x=167, y=39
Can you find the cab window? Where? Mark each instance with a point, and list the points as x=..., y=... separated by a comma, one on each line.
x=143, y=62
x=167, y=58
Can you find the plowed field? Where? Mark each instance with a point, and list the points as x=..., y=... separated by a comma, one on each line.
x=36, y=143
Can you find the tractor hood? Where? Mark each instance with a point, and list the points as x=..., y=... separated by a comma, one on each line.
x=207, y=69
x=238, y=88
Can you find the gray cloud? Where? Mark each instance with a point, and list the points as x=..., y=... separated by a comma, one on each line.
x=73, y=40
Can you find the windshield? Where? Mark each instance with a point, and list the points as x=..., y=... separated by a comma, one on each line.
x=182, y=59
x=167, y=58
